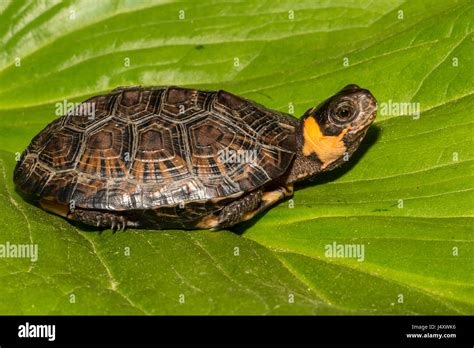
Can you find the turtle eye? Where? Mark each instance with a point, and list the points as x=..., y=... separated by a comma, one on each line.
x=344, y=112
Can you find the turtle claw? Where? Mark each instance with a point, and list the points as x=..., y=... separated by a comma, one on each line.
x=118, y=223
x=124, y=223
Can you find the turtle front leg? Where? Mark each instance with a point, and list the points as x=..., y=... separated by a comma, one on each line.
x=245, y=208
x=269, y=198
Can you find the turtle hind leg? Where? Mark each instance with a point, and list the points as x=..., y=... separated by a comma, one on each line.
x=104, y=219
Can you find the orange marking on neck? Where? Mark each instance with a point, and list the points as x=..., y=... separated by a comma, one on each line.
x=327, y=148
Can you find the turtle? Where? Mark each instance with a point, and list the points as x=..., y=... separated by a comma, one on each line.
x=169, y=157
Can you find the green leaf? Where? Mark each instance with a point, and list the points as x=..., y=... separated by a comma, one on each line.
x=406, y=195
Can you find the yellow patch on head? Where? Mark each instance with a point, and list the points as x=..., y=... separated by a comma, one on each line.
x=327, y=148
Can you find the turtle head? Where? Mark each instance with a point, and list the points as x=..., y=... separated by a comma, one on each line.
x=333, y=130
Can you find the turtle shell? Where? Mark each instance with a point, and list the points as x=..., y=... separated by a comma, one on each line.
x=142, y=148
